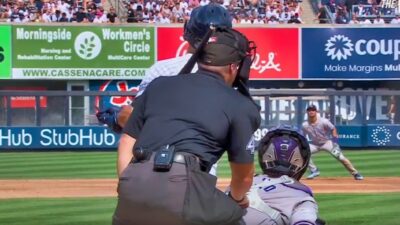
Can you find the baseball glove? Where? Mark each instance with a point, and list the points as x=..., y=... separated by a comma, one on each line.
x=109, y=117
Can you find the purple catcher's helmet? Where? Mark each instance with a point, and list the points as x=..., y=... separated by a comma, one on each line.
x=284, y=152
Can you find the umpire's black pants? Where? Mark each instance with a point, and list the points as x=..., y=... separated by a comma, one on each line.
x=146, y=197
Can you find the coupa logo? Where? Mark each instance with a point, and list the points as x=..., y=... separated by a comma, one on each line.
x=87, y=45
x=340, y=47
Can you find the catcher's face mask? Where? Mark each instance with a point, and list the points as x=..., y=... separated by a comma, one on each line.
x=284, y=152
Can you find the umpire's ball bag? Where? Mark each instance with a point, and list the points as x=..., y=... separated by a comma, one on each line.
x=204, y=203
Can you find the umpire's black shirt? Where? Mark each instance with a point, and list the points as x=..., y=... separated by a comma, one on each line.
x=197, y=113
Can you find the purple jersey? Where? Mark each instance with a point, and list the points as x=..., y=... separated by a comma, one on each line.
x=293, y=200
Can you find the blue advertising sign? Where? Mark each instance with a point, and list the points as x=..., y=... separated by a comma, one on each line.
x=351, y=53
x=358, y=136
x=383, y=135
x=351, y=136
x=369, y=136
x=83, y=138
x=97, y=137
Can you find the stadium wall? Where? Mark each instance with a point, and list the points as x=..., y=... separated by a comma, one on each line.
x=114, y=58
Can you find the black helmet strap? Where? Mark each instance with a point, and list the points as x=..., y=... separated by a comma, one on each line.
x=192, y=61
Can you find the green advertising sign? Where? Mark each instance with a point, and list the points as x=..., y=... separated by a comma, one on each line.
x=5, y=52
x=82, y=52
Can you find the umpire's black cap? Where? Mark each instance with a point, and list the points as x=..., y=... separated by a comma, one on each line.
x=312, y=108
x=225, y=46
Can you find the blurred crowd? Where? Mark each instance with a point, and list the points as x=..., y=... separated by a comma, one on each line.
x=360, y=11
x=49, y=11
x=178, y=11
x=147, y=11
x=242, y=12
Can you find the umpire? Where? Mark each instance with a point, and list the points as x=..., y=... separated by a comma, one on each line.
x=180, y=127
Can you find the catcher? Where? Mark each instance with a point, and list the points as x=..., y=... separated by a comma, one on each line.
x=277, y=197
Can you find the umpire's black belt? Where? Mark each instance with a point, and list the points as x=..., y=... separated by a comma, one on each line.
x=179, y=157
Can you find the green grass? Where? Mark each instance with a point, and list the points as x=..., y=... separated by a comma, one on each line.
x=84, y=211
x=380, y=163
x=359, y=209
x=51, y=165
x=34, y=165
x=337, y=209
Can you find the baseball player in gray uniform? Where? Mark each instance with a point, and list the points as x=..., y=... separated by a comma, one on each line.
x=324, y=136
x=277, y=197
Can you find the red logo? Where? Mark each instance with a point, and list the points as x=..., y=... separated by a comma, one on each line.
x=277, y=50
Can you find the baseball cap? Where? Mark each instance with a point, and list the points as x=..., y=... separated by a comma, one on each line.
x=312, y=108
x=225, y=46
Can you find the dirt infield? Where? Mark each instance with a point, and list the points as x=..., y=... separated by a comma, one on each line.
x=107, y=187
